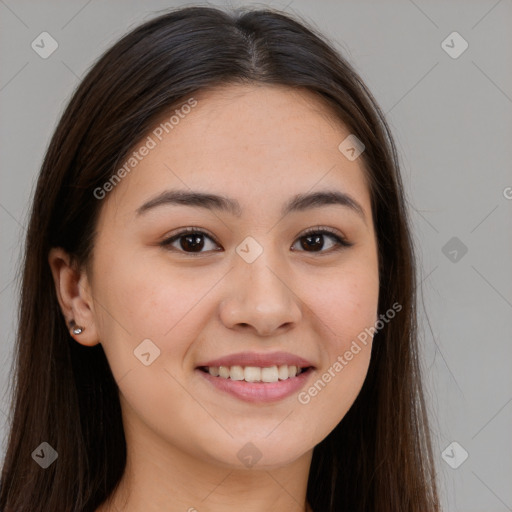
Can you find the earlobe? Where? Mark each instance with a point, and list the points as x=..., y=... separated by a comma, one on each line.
x=74, y=297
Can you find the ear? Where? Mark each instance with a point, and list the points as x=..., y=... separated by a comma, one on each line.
x=74, y=296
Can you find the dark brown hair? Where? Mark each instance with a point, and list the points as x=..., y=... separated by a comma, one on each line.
x=379, y=457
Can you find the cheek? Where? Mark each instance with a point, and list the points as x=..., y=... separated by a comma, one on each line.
x=153, y=299
x=345, y=304
x=345, y=309
x=151, y=302
x=141, y=301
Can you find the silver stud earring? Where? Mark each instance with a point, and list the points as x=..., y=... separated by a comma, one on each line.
x=76, y=329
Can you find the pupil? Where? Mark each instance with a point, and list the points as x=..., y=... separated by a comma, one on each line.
x=317, y=240
x=192, y=242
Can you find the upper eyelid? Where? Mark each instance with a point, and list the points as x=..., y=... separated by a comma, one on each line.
x=189, y=230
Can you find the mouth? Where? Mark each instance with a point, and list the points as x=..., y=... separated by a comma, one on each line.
x=257, y=377
x=256, y=384
x=267, y=374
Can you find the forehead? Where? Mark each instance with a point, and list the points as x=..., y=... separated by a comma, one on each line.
x=257, y=143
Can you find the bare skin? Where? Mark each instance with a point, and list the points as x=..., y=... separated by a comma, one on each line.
x=260, y=145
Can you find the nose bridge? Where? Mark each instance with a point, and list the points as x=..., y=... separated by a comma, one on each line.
x=261, y=295
x=268, y=289
x=265, y=276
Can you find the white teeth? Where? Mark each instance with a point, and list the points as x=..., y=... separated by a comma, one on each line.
x=283, y=372
x=255, y=373
x=236, y=373
x=252, y=374
x=224, y=371
x=270, y=374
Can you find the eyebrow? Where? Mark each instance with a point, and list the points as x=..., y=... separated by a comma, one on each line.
x=298, y=203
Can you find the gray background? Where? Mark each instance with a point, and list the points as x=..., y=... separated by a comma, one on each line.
x=452, y=121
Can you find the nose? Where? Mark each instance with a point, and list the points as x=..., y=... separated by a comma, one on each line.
x=260, y=298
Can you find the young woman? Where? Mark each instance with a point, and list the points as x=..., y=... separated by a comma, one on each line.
x=218, y=298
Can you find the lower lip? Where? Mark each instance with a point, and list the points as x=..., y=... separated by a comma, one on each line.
x=259, y=391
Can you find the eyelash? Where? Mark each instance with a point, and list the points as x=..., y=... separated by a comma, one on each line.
x=341, y=242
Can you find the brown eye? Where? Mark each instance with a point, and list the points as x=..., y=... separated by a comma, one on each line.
x=314, y=241
x=190, y=241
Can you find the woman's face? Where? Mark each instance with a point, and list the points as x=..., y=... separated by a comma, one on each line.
x=251, y=283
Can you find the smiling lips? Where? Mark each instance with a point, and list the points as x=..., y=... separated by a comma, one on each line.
x=261, y=360
x=257, y=377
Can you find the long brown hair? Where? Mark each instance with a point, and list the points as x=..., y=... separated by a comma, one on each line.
x=379, y=457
